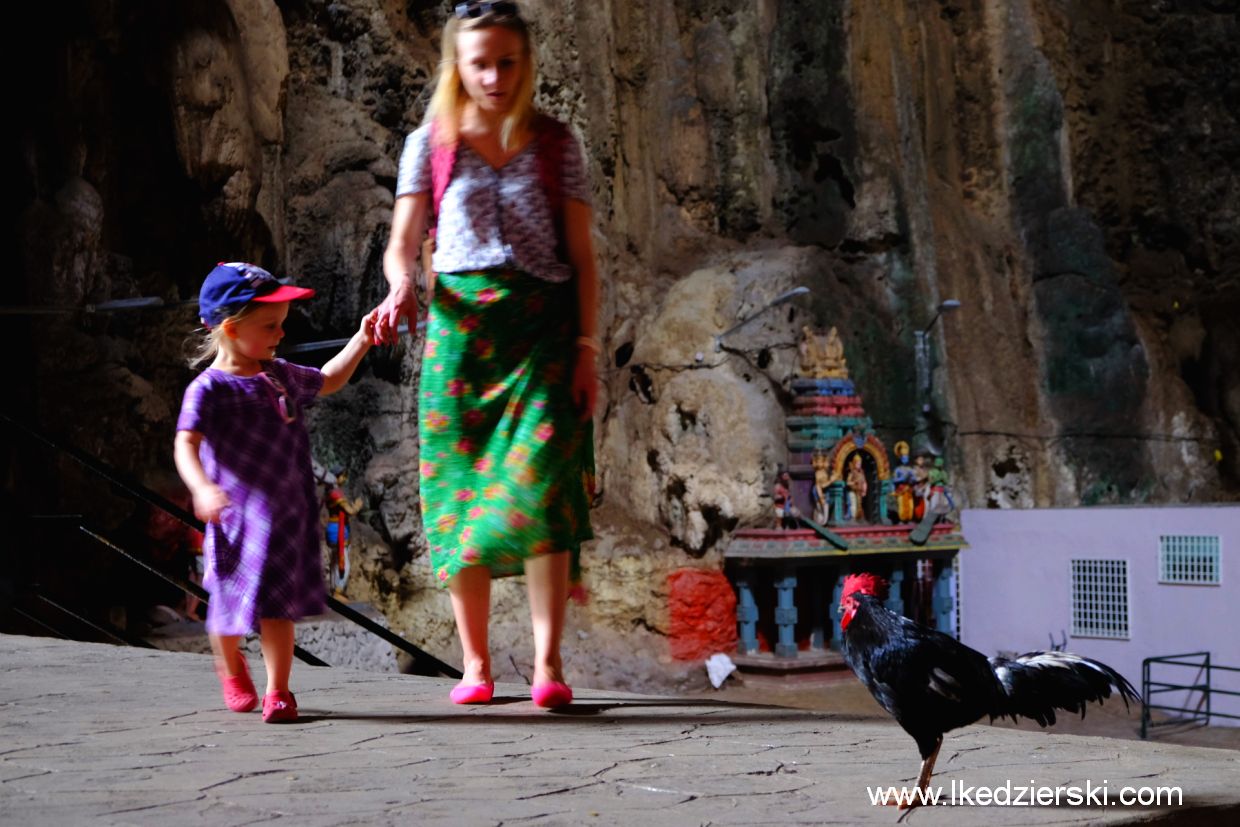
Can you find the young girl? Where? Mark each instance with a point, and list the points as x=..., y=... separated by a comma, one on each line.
x=243, y=452
x=508, y=375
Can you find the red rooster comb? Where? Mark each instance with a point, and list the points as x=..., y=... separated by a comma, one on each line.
x=866, y=584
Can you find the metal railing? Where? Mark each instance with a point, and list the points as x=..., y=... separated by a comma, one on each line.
x=423, y=663
x=1202, y=682
x=189, y=588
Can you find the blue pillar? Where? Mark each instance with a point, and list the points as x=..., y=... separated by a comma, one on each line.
x=817, y=614
x=944, y=600
x=833, y=609
x=835, y=494
x=895, y=597
x=786, y=613
x=746, y=616
x=885, y=487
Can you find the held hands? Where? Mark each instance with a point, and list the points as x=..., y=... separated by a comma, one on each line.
x=209, y=501
x=370, y=323
x=585, y=383
x=401, y=303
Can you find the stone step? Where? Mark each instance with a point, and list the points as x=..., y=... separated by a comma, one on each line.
x=338, y=641
x=812, y=660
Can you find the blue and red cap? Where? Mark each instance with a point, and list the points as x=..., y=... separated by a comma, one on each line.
x=232, y=285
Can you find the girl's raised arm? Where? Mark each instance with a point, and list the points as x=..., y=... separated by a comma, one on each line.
x=341, y=366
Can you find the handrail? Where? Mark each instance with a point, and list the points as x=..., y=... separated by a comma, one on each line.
x=424, y=663
x=1150, y=687
x=112, y=475
x=29, y=618
x=99, y=626
x=187, y=587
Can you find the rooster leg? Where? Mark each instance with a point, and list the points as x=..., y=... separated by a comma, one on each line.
x=923, y=780
x=927, y=766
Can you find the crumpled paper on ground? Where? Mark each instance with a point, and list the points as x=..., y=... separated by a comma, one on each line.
x=718, y=667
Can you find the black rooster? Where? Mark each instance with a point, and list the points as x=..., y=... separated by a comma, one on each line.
x=932, y=683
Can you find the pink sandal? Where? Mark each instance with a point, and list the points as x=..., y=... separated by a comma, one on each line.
x=477, y=693
x=279, y=707
x=239, y=692
x=551, y=694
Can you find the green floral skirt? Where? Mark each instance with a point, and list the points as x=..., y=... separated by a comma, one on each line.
x=507, y=466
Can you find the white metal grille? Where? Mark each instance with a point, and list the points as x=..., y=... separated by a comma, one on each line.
x=958, y=591
x=1100, y=598
x=1189, y=558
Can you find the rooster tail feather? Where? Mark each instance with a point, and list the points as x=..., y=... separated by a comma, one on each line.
x=1036, y=684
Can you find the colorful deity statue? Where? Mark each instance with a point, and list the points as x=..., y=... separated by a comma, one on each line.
x=833, y=356
x=857, y=486
x=822, y=358
x=902, y=479
x=336, y=531
x=787, y=515
x=818, y=490
x=921, y=487
x=940, y=499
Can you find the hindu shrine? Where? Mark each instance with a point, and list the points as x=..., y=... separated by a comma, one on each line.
x=842, y=503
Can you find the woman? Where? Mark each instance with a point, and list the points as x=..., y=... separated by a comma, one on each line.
x=508, y=376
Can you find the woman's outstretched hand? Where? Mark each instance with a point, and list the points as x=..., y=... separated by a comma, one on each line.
x=401, y=303
x=585, y=383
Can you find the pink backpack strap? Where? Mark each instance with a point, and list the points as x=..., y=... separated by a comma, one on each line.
x=553, y=137
x=443, y=159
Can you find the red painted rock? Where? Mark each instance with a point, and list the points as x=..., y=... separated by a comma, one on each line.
x=702, y=614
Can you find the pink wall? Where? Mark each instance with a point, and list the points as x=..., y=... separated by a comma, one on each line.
x=1016, y=587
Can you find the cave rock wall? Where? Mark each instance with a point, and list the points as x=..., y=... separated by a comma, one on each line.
x=1067, y=171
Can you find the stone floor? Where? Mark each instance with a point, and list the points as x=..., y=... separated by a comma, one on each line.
x=94, y=734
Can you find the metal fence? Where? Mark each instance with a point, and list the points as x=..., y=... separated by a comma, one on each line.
x=1201, y=687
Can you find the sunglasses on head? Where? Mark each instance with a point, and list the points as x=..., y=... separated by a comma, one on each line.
x=477, y=8
x=284, y=401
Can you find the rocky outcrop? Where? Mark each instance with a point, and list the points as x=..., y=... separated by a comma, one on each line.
x=1068, y=174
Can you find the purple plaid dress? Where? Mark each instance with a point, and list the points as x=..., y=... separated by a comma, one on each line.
x=262, y=560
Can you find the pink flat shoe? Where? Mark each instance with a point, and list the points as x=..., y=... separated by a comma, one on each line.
x=279, y=707
x=551, y=694
x=239, y=692
x=475, y=693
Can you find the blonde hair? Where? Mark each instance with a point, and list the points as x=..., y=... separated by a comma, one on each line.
x=449, y=98
x=204, y=344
